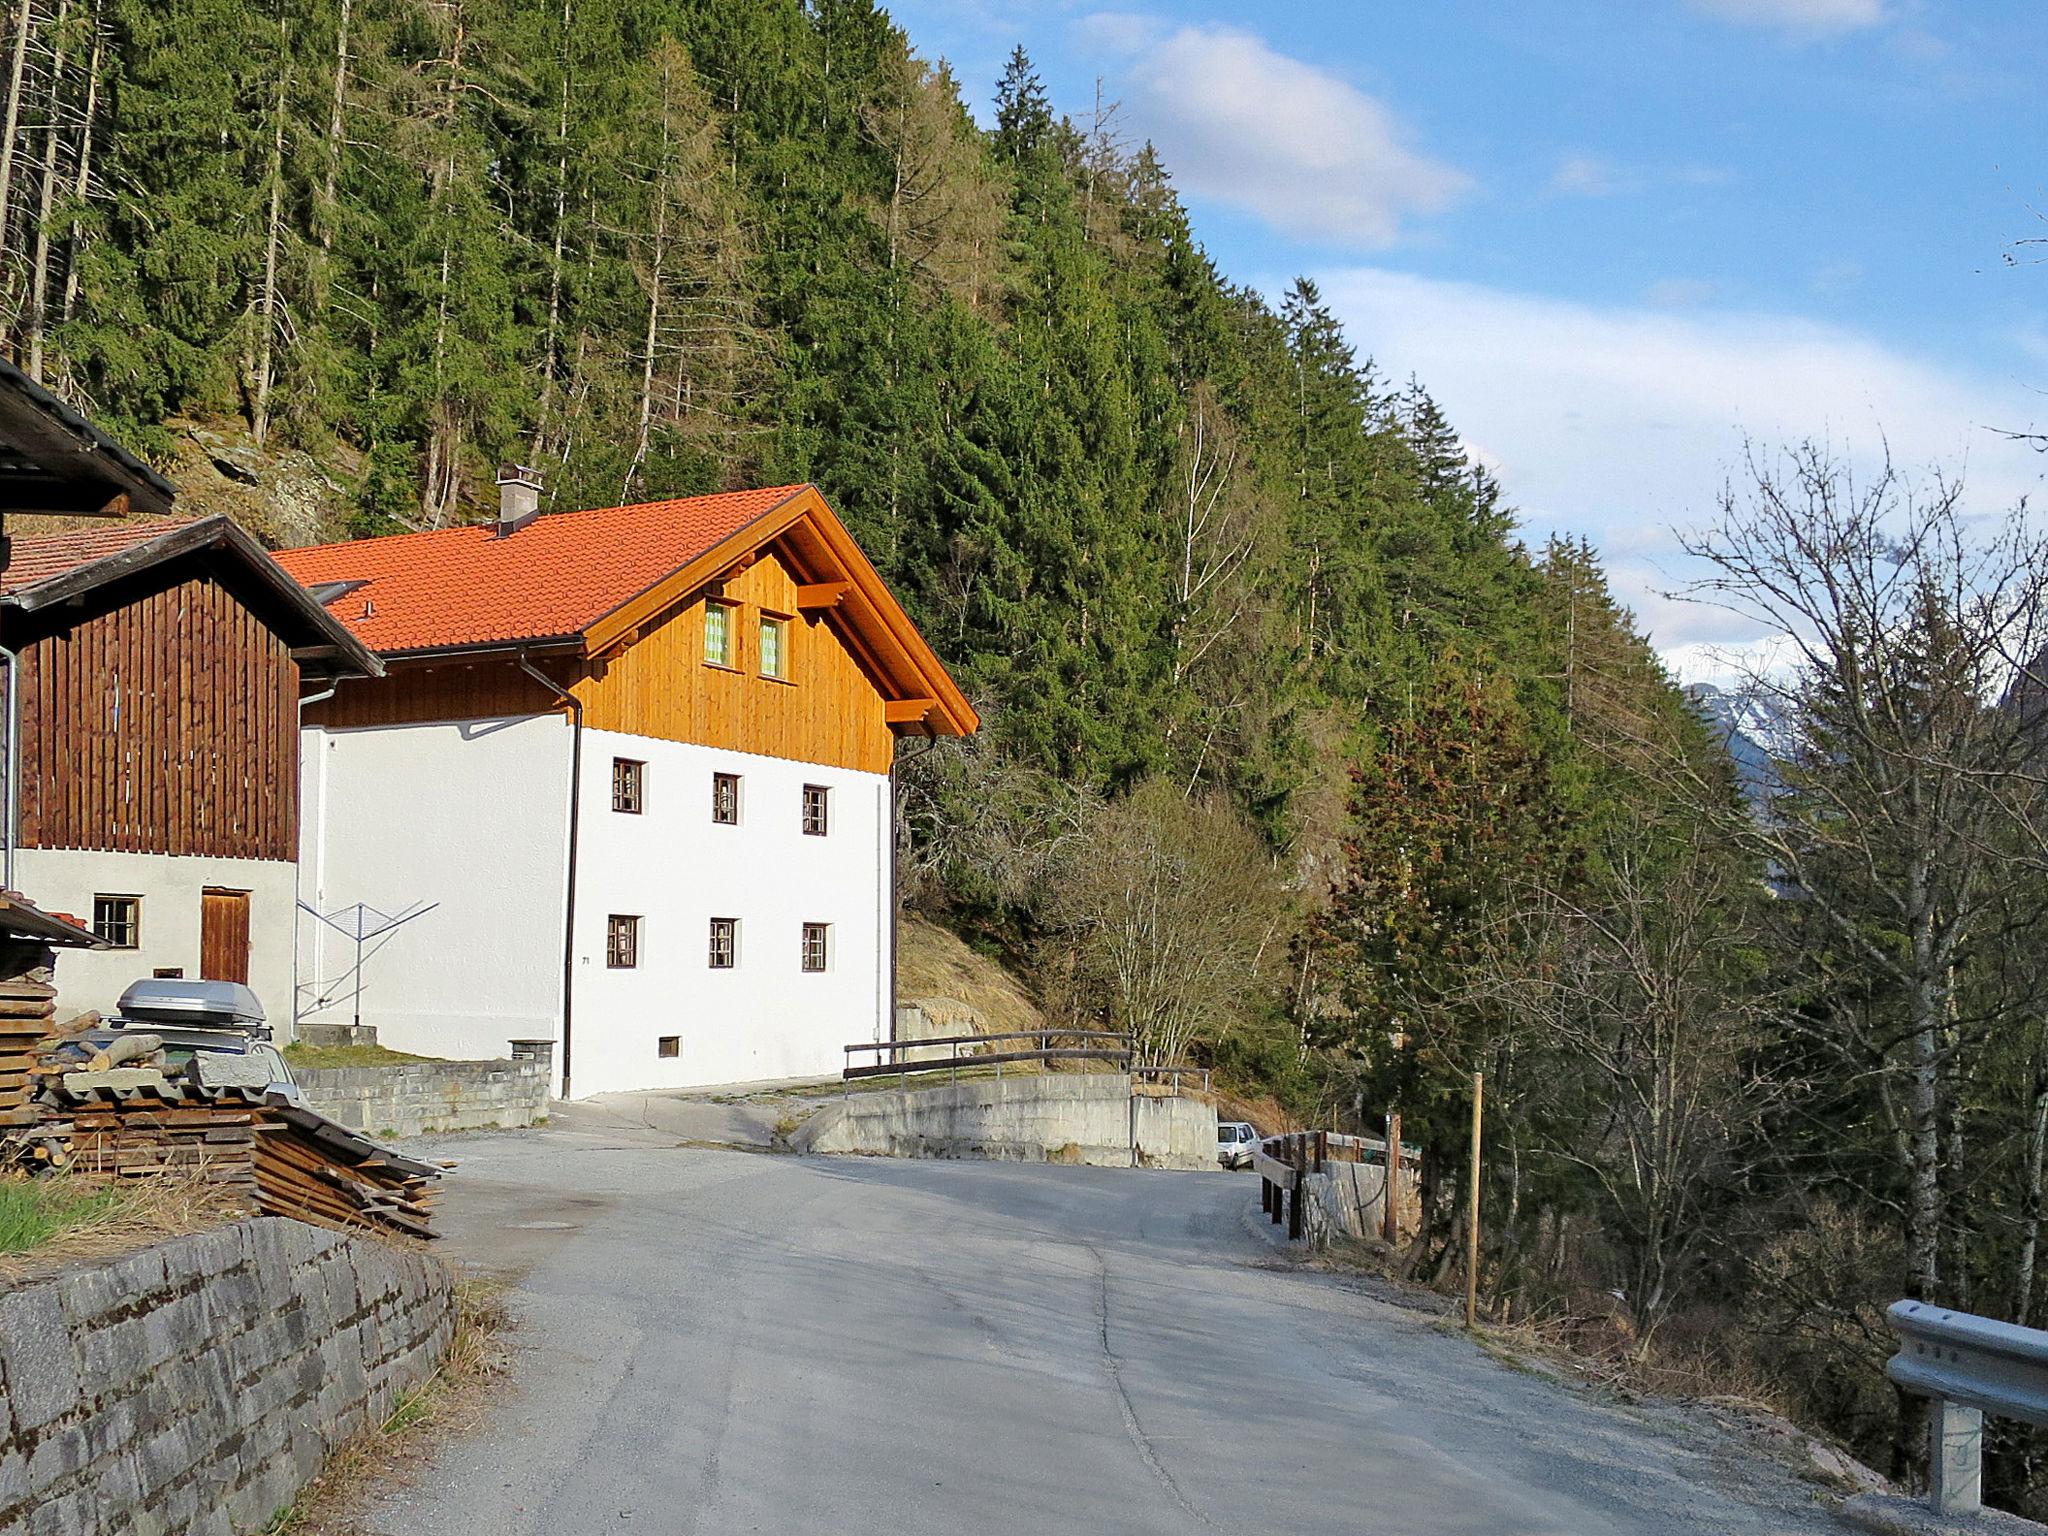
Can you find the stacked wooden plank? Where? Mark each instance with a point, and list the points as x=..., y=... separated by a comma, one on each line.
x=28, y=1008
x=283, y=1160
x=318, y=1170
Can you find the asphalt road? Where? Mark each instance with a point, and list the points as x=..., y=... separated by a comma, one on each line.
x=717, y=1342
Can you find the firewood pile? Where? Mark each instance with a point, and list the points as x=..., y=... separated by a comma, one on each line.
x=27, y=1008
x=285, y=1160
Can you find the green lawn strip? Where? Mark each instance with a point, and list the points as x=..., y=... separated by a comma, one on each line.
x=33, y=1211
x=314, y=1057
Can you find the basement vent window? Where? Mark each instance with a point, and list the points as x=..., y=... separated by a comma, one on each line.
x=118, y=920
x=626, y=782
x=622, y=943
x=817, y=940
x=718, y=634
x=725, y=799
x=817, y=813
x=725, y=942
x=668, y=1047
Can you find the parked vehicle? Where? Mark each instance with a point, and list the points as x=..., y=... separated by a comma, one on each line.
x=212, y=1033
x=1234, y=1143
x=231, y=1058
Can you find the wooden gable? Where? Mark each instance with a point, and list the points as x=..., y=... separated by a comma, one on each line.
x=161, y=721
x=656, y=683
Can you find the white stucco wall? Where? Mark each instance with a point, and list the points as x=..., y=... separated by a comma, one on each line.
x=675, y=869
x=66, y=880
x=471, y=815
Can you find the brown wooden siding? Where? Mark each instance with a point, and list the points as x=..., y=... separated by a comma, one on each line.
x=412, y=694
x=829, y=712
x=168, y=724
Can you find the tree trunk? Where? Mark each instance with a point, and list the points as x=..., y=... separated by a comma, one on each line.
x=266, y=309
x=39, y=278
x=23, y=19
x=81, y=187
x=331, y=180
x=2030, y=1192
x=550, y=349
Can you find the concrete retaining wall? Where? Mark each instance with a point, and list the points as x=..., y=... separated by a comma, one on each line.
x=427, y=1096
x=197, y=1386
x=1032, y=1118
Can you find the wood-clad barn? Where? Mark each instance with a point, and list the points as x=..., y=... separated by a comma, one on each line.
x=155, y=684
x=636, y=764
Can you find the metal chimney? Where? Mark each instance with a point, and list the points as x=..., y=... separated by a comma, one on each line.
x=518, y=497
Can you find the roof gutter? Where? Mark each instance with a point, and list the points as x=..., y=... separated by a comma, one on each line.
x=575, y=809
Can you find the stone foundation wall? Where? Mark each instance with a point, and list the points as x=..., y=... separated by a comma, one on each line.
x=418, y=1097
x=197, y=1386
x=1035, y=1117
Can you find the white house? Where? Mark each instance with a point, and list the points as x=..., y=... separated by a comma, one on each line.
x=631, y=767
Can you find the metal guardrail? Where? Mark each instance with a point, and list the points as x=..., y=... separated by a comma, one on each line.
x=1970, y=1366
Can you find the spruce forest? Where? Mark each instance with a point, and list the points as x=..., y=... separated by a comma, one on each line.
x=1297, y=760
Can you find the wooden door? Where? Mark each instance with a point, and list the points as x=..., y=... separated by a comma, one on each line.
x=224, y=935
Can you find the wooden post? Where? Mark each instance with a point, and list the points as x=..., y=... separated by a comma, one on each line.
x=1472, y=1211
x=1294, y=1206
x=1391, y=1217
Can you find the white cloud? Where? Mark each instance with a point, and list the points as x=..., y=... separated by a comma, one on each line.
x=1810, y=18
x=1306, y=151
x=1679, y=292
x=1585, y=176
x=1621, y=422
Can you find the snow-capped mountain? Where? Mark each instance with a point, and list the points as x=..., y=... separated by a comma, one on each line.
x=1755, y=728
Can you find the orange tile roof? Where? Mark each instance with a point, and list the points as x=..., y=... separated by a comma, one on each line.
x=549, y=580
x=39, y=557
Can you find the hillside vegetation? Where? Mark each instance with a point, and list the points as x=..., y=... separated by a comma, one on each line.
x=1297, y=763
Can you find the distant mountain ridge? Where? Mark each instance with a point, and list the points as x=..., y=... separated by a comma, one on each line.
x=1754, y=728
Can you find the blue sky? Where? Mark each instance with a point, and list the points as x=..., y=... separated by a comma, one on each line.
x=1613, y=238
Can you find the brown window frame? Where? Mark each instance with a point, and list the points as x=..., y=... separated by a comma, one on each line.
x=817, y=947
x=722, y=813
x=103, y=926
x=629, y=785
x=818, y=797
x=622, y=942
x=725, y=944
x=668, y=1047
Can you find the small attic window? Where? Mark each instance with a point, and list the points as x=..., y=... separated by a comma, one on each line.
x=325, y=592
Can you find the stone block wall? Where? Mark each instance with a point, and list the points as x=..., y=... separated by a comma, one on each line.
x=417, y=1097
x=197, y=1386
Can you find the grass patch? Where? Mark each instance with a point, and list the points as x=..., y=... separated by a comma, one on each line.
x=315, y=1057
x=449, y=1403
x=32, y=1211
x=64, y=1218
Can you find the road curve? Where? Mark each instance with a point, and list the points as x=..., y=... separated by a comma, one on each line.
x=719, y=1342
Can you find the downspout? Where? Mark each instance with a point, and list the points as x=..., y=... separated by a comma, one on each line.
x=320, y=842
x=575, y=803
x=895, y=889
x=13, y=816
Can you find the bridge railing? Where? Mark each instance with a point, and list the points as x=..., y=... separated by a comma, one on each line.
x=1970, y=1366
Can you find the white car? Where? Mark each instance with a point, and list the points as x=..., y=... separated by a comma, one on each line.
x=1234, y=1143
